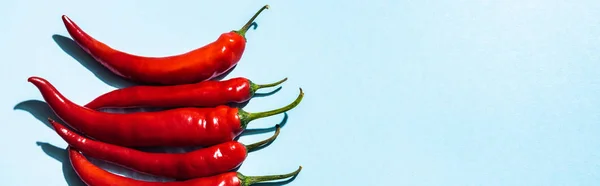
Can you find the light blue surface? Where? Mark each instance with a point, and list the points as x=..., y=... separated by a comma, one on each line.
x=426, y=93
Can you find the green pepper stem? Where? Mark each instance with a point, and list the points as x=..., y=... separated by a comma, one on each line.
x=255, y=87
x=259, y=144
x=245, y=28
x=249, y=180
x=246, y=117
x=270, y=84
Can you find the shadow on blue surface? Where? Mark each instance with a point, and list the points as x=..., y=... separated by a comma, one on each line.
x=70, y=47
x=277, y=183
x=40, y=110
x=62, y=156
x=73, y=179
x=274, y=128
x=259, y=95
x=265, y=130
x=104, y=74
x=238, y=105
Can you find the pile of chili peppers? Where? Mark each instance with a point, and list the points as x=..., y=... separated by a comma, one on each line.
x=197, y=114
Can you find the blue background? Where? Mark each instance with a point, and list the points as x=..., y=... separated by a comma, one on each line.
x=468, y=92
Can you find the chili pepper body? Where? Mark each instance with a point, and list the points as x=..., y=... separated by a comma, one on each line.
x=175, y=127
x=194, y=66
x=203, y=162
x=92, y=175
x=202, y=94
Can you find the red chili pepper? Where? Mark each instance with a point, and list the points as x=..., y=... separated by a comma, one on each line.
x=92, y=175
x=202, y=94
x=194, y=66
x=204, y=162
x=188, y=126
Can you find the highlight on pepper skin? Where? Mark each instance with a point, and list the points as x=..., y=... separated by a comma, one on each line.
x=201, y=64
x=203, y=162
x=204, y=94
x=197, y=114
x=178, y=127
x=93, y=175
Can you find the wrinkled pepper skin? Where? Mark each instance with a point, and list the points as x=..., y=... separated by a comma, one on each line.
x=202, y=94
x=203, y=162
x=93, y=175
x=198, y=65
x=178, y=127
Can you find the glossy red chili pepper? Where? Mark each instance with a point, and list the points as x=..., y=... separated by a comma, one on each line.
x=194, y=66
x=203, y=162
x=202, y=94
x=188, y=126
x=92, y=175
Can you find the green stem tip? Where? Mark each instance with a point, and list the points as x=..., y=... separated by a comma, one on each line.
x=245, y=28
x=255, y=87
x=259, y=144
x=249, y=180
x=246, y=117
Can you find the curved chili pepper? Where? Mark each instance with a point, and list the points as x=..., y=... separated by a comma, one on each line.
x=203, y=162
x=178, y=127
x=194, y=66
x=202, y=94
x=93, y=175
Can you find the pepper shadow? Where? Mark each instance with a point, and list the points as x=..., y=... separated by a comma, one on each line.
x=74, y=50
x=40, y=110
x=256, y=95
x=62, y=156
x=265, y=130
x=238, y=105
x=224, y=75
x=259, y=95
x=254, y=25
x=277, y=183
x=73, y=179
x=193, y=148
